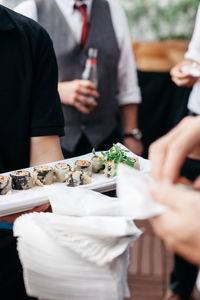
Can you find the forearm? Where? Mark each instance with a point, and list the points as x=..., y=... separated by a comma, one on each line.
x=61, y=91
x=44, y=150
x=129, y=115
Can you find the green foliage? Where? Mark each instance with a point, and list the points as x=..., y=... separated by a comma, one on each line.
x=153, y=19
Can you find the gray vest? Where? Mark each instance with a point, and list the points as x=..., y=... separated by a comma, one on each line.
x=100, y=123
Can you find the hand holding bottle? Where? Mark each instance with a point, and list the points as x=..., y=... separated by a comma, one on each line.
x=77, y=93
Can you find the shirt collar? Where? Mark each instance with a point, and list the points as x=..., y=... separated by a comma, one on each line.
x=5, y=21
x=69, y=5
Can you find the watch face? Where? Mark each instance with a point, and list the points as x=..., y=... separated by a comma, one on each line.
x=137, y=134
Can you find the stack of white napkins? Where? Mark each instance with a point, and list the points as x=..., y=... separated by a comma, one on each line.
x=79, y=251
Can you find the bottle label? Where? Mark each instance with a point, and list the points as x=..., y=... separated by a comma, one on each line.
x=90, y=61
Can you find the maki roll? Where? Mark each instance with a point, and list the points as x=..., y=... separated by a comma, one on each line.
x=43, y=175
x=77, y=178
x=60, y=170
x=84, y=166
x=21, y=180
x=97, y=164
x=5, y=185
x=136, y=163
x=110, y=169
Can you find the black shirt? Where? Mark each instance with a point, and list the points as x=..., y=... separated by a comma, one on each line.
x=30, y=105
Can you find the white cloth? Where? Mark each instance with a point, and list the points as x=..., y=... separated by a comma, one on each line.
x=128, y=89
x=67, y=201
x=194, y=53
x=133, y=192
x=73, y=257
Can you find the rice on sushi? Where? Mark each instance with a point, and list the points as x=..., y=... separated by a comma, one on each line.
x=60, y=170
x=97, y=164
x=77, y=178
x=21, y=180
x=5, y=185
x=84, y=166
x=43, y=175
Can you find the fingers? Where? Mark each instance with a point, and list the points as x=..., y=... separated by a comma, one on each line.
x=188, y=81
x=158, y=152
x=81, y=107
x=177, y=72
x=85, y=100
x=81, y=102
x=87, y=84
x=196, y=184
x=88, y=91
x=172, y=196
x=168, y=154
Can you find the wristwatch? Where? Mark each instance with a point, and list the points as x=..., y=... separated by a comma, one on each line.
x=134, y=133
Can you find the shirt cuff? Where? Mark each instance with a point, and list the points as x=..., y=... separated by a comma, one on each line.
x=47, y=131
x=192, y=55
x=133, y=97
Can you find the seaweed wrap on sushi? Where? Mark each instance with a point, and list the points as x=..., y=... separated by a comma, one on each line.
x=43, y=175
x=5, y=185
x=60, y=170
x=77, y=178
x=98, y=164
x=110, y=169
x=21, y=180
x=84, y=166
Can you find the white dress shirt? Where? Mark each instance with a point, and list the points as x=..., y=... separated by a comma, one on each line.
x=194, y=53
x=128, y=89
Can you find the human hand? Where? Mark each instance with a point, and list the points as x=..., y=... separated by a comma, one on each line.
x=179, y=227
x=168, y=154
x=11, y=218
x=133, y=145
x=77, y=92
x=180, y=78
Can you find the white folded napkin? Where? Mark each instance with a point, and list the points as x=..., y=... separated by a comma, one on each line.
x=81, y=202
x=133, y=193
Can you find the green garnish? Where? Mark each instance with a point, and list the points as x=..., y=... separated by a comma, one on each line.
x=94, y=153
x=117, y=155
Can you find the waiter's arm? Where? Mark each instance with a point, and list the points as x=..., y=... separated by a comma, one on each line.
x=45, y=149
x=129, y=118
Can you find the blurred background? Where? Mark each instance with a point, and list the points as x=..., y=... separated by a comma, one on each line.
x=160, y=30
x=152, y=19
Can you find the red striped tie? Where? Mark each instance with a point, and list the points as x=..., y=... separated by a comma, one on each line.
x=85, y=28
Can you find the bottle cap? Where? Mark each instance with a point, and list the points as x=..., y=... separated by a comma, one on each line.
x=92, y=53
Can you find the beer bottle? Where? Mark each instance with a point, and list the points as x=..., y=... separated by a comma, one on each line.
x=90, y=71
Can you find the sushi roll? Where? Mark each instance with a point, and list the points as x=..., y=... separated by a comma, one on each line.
x=5, y=185
x=84, y=166
x=97, y=165
x=60, y=170
x=43, y=175
x=136, y=163
x=77, y=178
x=110, y=169
x=21, y=180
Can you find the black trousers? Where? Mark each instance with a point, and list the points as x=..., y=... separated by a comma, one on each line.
x=84, y=146
x=184, y=274
x=11, y=276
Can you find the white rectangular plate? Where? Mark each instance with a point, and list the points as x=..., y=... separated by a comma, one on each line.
x=19, y=201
